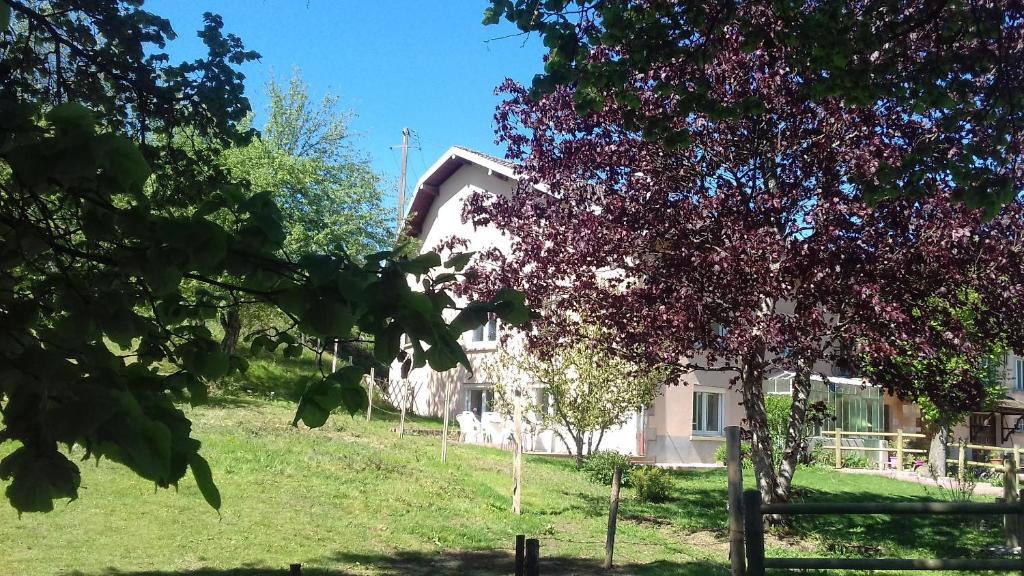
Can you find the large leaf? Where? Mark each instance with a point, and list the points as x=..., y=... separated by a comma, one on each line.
x=38, y=477
x=459, y=261
x=349, y=384
x=421, y=264
x=204, y=479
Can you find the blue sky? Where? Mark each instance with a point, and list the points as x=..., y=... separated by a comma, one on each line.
x=394, y=63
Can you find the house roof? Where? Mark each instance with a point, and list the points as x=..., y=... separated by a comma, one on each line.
x=429, y=184
x=1010, y=406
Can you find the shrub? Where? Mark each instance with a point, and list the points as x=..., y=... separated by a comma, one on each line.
x=822, y=456
x=600, y=466
x=652, y=484
x=855, y=460
x=720, y=453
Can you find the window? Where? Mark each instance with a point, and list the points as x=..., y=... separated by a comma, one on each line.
x=1019, y=371
x=479, y=399
x=487, y=332
x=707, y=413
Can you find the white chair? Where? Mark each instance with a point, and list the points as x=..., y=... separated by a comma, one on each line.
x=494, y=427
x=469, y=428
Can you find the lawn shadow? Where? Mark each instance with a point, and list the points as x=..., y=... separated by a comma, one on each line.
x=445, y=563
x=938, y=536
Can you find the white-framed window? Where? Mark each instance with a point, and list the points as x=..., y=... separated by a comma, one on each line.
x=1018, y=381
x=708, y=413
x=487, y=332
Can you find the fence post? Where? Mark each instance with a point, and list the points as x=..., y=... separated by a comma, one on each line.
x=613, y=515
x=753, y=524
x=295, y=569
x=1010, y=497
x=369, y=393
x=533, y=557
x=734, y=464
x=1020, y=520
x=520, y=555
x=899, y=450
x=961, y=463
x=839, y=448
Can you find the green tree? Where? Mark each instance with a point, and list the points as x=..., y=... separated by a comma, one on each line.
x=103, y=218
x=329, y=196
x=946, y=368
x=589, y=390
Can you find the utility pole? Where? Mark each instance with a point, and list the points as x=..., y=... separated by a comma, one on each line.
x=401, y=181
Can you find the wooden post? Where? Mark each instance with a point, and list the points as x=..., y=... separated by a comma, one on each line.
x=613, y=515
x=1016, y=456
x=520, y=555
x=899, y=450
x=1020, y=520
x=734, y=465
x=532, y=557
x=961, y=462
x=839, y=448
x=369, y=393
x=753, y=524
x=444, y=427
x=334, y=357
x=295, y=569
x=401, y=397
x=1010, y=526
x=517, y=452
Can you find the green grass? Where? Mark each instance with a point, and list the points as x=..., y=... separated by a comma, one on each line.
x=353, y=498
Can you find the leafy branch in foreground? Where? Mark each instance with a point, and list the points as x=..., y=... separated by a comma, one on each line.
x=99, y=338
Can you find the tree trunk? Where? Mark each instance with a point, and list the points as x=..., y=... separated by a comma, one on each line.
x=578, y=438
x=794, y=434
x=600, y=437
x=231, y=321
x=937, y=451
x=761, y=453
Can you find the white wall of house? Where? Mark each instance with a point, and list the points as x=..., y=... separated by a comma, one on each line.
x=423, y=389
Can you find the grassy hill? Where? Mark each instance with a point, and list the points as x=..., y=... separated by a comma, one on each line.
x=353, y=498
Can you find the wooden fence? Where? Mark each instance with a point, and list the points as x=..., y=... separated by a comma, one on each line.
x=897, y=444
x=747, y=514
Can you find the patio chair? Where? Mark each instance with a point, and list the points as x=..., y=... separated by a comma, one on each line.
x=469, y=428
x=494, y=428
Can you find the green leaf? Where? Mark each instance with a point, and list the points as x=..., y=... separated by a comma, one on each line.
x=459, y=261
x=388, y=343
x=38, y=478
x=349, y=383
x=421, y=264
x=71, y=118
x=125, y=164
x=323, y=396
x=327, y=319
x=473, y=315
x=204, y=479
